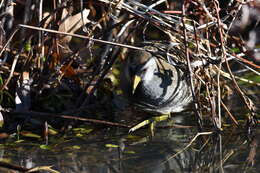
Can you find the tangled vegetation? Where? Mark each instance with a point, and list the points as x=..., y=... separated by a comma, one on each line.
x=61, y=60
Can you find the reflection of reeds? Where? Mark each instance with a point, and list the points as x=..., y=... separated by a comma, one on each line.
x=208, y=152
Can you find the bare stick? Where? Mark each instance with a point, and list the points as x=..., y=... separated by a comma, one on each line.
x=72, y=117
x=80, y=36
x=187, y=146
x=190, y=69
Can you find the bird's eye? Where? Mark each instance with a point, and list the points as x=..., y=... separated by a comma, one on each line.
x=131, y=70
x=144, y=70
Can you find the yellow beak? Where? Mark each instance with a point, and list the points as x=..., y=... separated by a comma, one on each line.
x=136, y=81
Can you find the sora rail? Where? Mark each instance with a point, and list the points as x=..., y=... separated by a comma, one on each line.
x=153, y=84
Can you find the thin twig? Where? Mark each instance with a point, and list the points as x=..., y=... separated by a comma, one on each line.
x=9, y=40
x=222, y=42
x=229, y=113
x=72, y=117
x=190, y=69
x=187, y=146
x=11, y=73
x=80, y=36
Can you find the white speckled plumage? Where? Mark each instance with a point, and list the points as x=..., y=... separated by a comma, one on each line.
x=163, y=87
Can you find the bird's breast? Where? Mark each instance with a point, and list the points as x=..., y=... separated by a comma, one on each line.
x=157, y=90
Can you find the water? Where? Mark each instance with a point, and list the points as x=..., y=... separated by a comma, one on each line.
x=113, y=150
x=172, y=149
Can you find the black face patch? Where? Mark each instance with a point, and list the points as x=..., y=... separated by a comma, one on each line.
x=138, y=56
x=137, y=59
x=134, y=69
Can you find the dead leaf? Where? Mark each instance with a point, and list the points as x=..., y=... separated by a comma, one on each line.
x=71, y=24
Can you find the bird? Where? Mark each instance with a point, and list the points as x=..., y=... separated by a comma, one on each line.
x=151, y=83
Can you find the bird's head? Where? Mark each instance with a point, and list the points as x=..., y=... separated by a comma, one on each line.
x=141, y=66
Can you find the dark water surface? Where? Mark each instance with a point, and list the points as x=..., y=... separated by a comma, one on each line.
x=172, y=149
x=106, y=151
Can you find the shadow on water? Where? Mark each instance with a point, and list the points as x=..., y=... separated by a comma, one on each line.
x=114, y=151
x=172, y=149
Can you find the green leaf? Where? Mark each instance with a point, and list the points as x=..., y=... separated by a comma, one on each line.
x=111, y=146
x=79, y=135
x=52, y=131
x=130, y=152
x=27, y=46
x=19, y=141
x=235, y=50
x=30, y=134
x=77, y=147
x=82, y=130
x=45, y=147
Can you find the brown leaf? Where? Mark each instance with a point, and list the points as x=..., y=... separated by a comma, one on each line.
x=71, y=24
